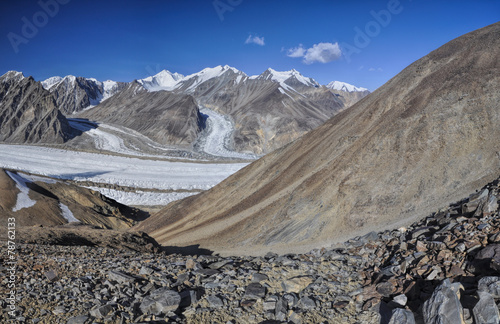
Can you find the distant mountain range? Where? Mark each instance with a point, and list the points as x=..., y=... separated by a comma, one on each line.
x=268, y=110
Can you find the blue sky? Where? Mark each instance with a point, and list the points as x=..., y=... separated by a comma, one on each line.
x=364, y=43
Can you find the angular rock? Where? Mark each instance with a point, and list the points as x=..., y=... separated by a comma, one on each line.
x=307, y=303
x=491, y=205
x=296, y=284
x=269, y=305
x=82, y=319
x=215, y=301
x=219, y=264
x=495, y=238
x=161, y=301
x=281, y=309
x=402, y=316
x=51, y=275
x=490, y=285
x=258, y=277
x=120, y=276
x=103, y=311
x=386, y=288
x=444, y=305
x=422, y=231
x=486, y=311
x=146, y=271
x=255, y=290
x=401, y=300
x=487, y=259
x=206, y=272
x=474, y=201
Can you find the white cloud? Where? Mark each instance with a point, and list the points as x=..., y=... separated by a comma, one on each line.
x=372, y=69
x=255, y=40
x=321, y=52
x=296, y=51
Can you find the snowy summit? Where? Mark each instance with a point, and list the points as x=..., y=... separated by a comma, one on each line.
x=342, y=86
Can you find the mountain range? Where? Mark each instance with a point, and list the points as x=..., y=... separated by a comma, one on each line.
x=421, y=141
x=266, y=111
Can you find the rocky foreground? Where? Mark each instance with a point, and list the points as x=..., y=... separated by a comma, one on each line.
x=444, y=269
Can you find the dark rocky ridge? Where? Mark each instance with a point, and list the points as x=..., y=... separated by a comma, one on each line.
x=74, y=94
x=165, y=117
x=29, y=113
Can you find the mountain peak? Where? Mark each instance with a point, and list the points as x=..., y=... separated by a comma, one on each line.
x=284, y=77
x=343, y=86
x=12, y=75
x=164, y=80
x=50, y=82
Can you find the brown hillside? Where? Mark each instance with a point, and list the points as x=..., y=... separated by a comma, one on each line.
x=428, y=137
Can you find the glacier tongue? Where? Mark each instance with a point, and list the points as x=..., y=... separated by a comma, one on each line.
x=218, y=133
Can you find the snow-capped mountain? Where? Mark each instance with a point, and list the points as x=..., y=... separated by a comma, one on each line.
x=287, y=78
x=217, y=75
x=74, y=94
x=343, y=86
x=268, y=110
x=165, y=80
x=48, y=83
x=12, y=76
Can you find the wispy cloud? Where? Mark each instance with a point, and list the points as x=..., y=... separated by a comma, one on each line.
x=372, y=69
x=299, y=51
x=321, y=53
x=255, y=40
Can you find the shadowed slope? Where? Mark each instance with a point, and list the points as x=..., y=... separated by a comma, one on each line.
x=165, y=117
x=28, y=112
x=426, y=138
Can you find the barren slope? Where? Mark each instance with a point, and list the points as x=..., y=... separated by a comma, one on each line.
x=426, y=138
x=163, y=116
x=41, y=201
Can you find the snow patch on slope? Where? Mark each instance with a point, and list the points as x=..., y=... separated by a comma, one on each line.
x=50, y=82
x=23, y=199
x=67, y=214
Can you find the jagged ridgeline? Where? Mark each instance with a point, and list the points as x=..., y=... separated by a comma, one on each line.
x=266, y=111
x=28, y=113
